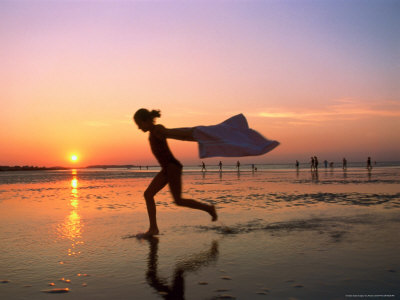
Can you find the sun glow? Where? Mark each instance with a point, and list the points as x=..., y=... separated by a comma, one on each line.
x=74, y=157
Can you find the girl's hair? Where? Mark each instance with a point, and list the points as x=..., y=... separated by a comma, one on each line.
x=144, y=115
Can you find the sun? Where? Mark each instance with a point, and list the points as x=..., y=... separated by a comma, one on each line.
x=74, y=157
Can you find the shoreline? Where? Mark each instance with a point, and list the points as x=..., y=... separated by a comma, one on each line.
x=209, y=167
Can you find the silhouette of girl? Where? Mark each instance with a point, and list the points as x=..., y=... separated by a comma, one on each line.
x=171, y=168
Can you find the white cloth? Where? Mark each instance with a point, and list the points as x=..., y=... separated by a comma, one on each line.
x=231, y=138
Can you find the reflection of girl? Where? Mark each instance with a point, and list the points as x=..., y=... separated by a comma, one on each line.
x=171, y=168
x=176, y=290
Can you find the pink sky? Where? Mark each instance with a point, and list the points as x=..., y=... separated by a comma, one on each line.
x=320, y=77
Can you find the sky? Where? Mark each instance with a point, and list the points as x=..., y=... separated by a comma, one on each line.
x=322, y=77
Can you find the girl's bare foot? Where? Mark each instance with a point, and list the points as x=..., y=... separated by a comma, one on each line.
x=148, y=234
x=213, y=213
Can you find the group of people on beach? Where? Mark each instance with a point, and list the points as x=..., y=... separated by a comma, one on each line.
x=204, y=169
x=314, y=164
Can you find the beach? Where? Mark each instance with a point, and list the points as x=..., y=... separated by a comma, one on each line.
x=281, y=234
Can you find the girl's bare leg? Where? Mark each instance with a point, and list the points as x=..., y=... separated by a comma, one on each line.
x=158, y=182
x=174, y=174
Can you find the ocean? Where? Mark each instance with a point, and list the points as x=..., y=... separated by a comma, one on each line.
x=282, y=233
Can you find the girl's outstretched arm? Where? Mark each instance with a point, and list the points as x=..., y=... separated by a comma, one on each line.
x=184, y=134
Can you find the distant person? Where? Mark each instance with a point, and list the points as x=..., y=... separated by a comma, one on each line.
x=238, y=165
x=312, y=163
x=326, y=163
x=297, y=164
x=220, y=166
x=315, y=163
x=203, y=166
x=344, y=163
x=369, y=165
x=331, y=164
x=171, y=168
x=253, y=168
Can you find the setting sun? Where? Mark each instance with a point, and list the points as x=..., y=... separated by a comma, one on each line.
x=74, y=157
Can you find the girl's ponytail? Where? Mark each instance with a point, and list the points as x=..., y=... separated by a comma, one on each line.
x=143, y=114
x=155, y=114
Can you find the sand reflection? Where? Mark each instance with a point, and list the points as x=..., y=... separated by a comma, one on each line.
x=72, y=227
x=176, y=290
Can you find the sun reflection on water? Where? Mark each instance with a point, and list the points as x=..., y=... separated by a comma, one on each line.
x=72, y=227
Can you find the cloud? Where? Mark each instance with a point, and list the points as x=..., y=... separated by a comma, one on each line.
x=343, y=109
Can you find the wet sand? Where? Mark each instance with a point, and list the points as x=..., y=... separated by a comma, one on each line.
x=280, y=235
